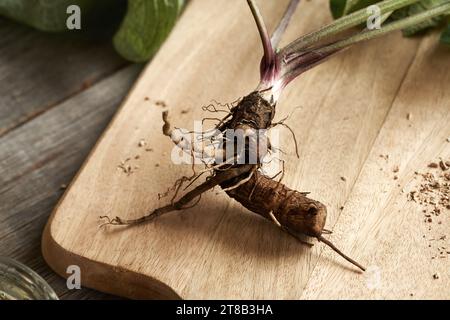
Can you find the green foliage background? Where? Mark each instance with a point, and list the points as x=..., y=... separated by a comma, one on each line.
x=145, y=25
x=340, y=8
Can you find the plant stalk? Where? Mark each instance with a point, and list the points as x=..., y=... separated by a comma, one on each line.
x=269, y=53
x=396, y=25
x=342, y=24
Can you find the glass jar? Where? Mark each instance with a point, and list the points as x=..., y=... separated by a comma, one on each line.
x=18, y=282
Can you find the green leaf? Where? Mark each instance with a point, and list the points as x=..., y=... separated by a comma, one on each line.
x=445, y=36
x=337, y=8
x=146, y=25
x=344, y=7
x=341, y=8
x=49, y=15
x=417, y=8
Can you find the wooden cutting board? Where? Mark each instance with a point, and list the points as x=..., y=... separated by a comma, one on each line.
x=348, y=112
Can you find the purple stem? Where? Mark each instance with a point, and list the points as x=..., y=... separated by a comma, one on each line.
x=269, y=54
x=301, y=63
x=278, y=68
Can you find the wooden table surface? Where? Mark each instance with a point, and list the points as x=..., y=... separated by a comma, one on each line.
x=57, y=94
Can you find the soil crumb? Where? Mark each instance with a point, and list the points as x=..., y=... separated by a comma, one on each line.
x=432, y=194
x=142, y=143
x=161, y=103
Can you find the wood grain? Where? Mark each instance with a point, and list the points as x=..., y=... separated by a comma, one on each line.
x=378, y=223
x=218, y=249
x=44, y=154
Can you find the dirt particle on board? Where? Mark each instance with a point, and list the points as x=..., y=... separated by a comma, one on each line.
x=443, y=165
x=157, y=165
x=142, y=143
x=137, y=157
x=63, y=186
x=395, y=177
x=408, y=116
x=149, y=149
x=436, y=276
x=184, y=111
x=343, y=178
x=433, y=165
x=395, y=169
x=146, y=98
x=160, y=103
x=432, y=193
x=126, y=167
x=448, y=139
x=123, y=162
x=384, y=156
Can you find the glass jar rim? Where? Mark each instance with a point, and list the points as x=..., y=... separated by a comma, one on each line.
x=26, y=279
